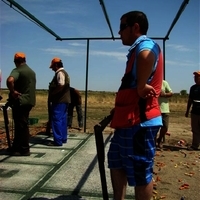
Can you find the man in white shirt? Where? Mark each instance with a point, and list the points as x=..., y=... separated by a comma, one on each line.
x=59, y=97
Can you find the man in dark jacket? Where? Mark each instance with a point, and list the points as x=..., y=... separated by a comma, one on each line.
x=21, y=83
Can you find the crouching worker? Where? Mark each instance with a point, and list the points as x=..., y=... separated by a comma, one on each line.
x=76, y=101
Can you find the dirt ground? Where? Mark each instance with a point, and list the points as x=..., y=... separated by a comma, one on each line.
x=176, y=170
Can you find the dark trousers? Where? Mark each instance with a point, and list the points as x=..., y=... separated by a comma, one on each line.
x=79, y=115
x=21, y=133
x=195, y=124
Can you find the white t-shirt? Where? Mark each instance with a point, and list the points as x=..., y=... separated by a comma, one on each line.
x=164, y=101
x=60, y=77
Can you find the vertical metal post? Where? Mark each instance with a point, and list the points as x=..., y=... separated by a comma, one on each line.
x=6, y=123
x=164, y=58
x=86, y=85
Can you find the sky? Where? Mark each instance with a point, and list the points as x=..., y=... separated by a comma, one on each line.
x=107, y=58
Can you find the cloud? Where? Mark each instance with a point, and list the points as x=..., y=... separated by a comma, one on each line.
x=177, y=47
x=55, y=12
x=180, y=63
x=76, y=44
x=9, y=16
x=65, y=52
x=118, y=55
x=74, y=53
x=63, y=7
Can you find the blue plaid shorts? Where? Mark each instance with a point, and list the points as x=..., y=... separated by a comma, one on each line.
x=133, y=150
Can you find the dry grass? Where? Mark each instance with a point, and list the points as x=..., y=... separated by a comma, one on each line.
x=98, y=105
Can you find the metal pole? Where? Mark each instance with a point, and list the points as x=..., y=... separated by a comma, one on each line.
x=181, y=9
x=12, y=2
x=164, y=59
x=86, y=84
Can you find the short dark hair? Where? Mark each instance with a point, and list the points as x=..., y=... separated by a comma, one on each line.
x=20, y=60
x=139, y=17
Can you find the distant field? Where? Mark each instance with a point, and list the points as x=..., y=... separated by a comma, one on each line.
x=172, y=172
x=99, y=105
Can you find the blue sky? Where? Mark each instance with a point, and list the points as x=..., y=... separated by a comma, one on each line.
x=78, y=18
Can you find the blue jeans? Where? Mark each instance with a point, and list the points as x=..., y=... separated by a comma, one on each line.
x=59, y=122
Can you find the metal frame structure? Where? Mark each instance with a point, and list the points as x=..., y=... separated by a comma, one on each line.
x=39, y=23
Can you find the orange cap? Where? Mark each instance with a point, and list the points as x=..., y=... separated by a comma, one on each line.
x=19, y=55
x=197, y=73
x=55, y=60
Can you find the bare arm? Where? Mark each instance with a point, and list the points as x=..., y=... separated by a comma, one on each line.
x=145, y=62
x=166, y=94
x=10, y=84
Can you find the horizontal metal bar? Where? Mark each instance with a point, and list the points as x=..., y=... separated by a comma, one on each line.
x=33, y=18
x=107, y=38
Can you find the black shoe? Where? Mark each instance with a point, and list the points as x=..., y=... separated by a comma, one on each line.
x=53, y=144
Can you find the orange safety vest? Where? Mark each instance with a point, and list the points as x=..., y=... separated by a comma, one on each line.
x=130, y=108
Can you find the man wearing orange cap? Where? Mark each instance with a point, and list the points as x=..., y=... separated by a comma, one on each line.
x=21, y=83
x=194, y=100
x=59, y=96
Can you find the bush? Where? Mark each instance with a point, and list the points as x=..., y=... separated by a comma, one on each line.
x=183, y=92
